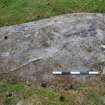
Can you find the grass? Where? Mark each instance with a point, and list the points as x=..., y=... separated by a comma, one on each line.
x=20, y=11
x=36, y=95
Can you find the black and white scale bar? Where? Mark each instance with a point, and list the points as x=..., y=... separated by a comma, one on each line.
x=75, y=73
x=103, y=47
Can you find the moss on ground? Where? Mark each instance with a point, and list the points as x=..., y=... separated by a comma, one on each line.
x=82, y=94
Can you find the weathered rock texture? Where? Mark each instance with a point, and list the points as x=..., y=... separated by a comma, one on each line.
x=33, y=50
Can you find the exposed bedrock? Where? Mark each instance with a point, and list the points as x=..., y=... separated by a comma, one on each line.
x=71, y=42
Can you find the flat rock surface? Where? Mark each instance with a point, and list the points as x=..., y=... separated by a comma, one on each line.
x=69, y=42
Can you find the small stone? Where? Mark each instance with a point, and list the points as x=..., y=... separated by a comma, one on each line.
x=19, y=103
x=103, y=99
x=9, y=94
x=71, y=87
x=48, y=3
x=28, y=83
x=38, y=16
x=44, y=84
x=62, y=98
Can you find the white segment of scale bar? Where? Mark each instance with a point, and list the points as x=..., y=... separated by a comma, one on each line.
x=93, y=72
x=57, y=72
x=74, y=72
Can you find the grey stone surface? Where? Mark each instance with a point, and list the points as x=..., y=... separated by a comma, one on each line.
x=104, y=70
x=103, y=100
x=31, y=51
x=20, y=103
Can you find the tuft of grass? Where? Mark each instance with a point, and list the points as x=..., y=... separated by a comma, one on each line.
x=83, y=94
x=20, y=11
x=34, y=95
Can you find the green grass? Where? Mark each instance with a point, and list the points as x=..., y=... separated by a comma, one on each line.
x=35, y=95
x=19, y=11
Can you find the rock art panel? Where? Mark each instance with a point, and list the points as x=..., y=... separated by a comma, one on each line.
x=31, y=51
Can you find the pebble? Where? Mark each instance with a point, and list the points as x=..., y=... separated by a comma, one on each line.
x=61, y=98
x=20, y=102
x=9, y=94
x=44, y=84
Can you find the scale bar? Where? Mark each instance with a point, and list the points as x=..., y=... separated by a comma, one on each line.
x=75, y=73
x=102, y=46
